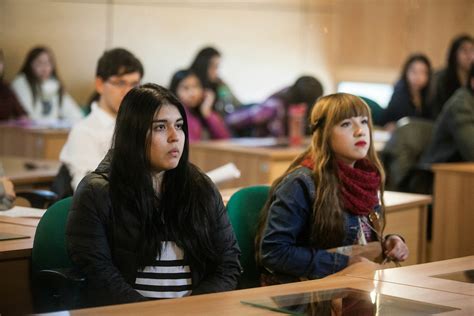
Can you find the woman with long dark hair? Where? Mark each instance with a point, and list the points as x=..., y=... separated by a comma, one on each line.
x=206, y=67
x=410, y=95
x=147, y=223
x=203, y=121
x=41, y=92
x=447, y=81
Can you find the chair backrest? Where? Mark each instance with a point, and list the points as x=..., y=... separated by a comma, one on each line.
x=244, y=209
x=375, y=109
x=49, y=246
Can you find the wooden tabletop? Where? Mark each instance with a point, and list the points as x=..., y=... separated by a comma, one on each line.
x=16, y=248
x=23, y=221
x=422, y=275
x=393, y=200
x=29, y=171
x=466, y=167
x=229, y=303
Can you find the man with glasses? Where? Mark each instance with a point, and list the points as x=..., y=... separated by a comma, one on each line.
x=117, y=72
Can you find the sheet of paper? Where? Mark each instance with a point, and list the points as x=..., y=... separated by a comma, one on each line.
x=20, y=211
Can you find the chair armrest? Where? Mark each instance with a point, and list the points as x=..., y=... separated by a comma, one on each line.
x=61, y=278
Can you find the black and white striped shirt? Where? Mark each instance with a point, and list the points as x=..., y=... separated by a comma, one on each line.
x=168, y=277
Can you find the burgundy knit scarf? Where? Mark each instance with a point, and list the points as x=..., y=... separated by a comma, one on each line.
x=359, y=185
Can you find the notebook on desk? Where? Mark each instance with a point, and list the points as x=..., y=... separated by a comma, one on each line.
x=9, y=236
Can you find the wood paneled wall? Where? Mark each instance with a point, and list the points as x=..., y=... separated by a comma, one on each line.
x=266, y=44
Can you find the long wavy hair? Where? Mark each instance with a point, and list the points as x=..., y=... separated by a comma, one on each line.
x=33, y=81
x=327, y=220
x=181, y=211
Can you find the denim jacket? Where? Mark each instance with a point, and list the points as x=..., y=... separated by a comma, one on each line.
x=285, y=244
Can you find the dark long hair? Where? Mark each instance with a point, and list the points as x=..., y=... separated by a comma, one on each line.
x=31, y=78
x=200, y=66
x=181, y=212
x=452, y=80
x=411, y=59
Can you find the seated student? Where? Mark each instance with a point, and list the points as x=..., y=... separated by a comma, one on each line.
x=117, y=72
x=10, y=108
x=453, y=133
x=270, y=118
x=410, y=95
x=449, y=79
x=203, y=121
x=325, y=198
x=206, y=67
x=41, y=92
x=147, y=223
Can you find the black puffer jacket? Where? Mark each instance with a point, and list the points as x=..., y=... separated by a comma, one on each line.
x=106, y=252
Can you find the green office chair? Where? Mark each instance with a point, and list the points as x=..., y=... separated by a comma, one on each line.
x=244, y=209
x=375, y=109
x=55, y=284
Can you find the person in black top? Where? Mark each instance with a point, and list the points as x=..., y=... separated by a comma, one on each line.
x=410, y=96
x=448, y=80
x=147, y=212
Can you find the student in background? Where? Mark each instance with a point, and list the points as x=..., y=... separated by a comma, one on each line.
x=117, y=72
x=270, y=118
x=325, y=198
x=147, y=223
x=206, y=67
x=410, y=95
x=453, y=133
x=203, y=121
x=10, y=108
x=41, y=92
x=448, y=80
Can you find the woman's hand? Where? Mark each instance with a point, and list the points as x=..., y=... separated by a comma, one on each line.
x=207, y=103
x=396, y=249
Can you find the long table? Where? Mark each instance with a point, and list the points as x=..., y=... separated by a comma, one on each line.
x=441, y=275
x=230, y=303
x=32, y=141
x=29, y=172
x=260, y=160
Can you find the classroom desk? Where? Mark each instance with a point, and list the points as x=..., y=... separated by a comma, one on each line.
x=423, y=275
x=31, y=142
x=40, y=174
x=260, y=160
x=406, y=215
x=453, y=214
x=229, y=303
x=15, y=265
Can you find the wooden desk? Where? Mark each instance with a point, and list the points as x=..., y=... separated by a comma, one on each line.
x=260, y=160
x=31, y=142
x=258, y=165
x=422, y=275
x=406, y=215
x=39, y=177
x=229, y=303
x=15, y=265
x=453, y=214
